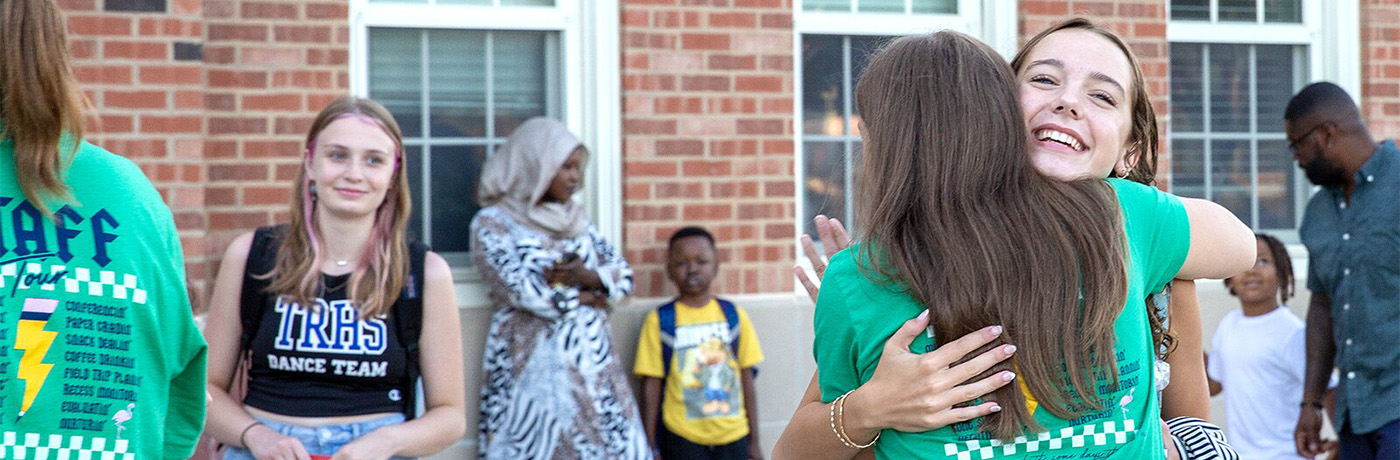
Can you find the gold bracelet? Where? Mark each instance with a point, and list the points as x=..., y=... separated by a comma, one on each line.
x=838, y=413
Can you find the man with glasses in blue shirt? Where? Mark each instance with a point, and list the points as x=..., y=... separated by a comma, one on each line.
x=1352, y=231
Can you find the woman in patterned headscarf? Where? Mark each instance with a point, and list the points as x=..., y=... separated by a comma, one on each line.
x=552, y=276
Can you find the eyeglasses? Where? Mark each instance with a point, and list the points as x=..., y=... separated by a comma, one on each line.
x=1293, y=145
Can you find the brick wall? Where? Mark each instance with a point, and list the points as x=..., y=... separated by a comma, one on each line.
x=707, y=137
x=271, y=65
x=211, y=98
x=1141, y=23
x=139, y=63
x=1380, y=67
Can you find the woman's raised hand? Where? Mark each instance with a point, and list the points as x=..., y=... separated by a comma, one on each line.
x=834, y=238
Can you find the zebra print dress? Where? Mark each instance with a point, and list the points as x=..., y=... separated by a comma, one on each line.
x=552, y=387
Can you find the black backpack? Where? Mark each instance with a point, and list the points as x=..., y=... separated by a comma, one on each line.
x=407, y=313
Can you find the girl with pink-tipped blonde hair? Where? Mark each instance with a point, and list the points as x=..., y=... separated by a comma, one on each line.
x=335, y=316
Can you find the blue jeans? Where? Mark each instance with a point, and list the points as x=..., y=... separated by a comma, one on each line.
x=321, y=440
x=1380, y=444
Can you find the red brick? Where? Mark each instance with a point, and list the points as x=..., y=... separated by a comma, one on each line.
x=77, y=5
x=267, y=10
x=760, y=211
x=704, y=83
x=254, y=196
x=238, y=32
x=162, y=75
x=1048, y=8
x=192, y=173
x=631, y=213
x=221, y=149
x=198, y=6
x=678, y=105
x=233, y=79
x=680, y=147
x=137, y=148
x=649, y=168
x=705, y=168
x=779, y=63
x=134, y=99
x=634, y=192
x=219, y=196
x=1139, y=10
x=331, y=57
x=734, y=190
x=765, y=84
x=691, y=190
x=237, y=220
x=734, y=20
x=171, y=124
x=732, y=105
x=302, y=34
x=330, y=10
x=760, y=4
x=272, y=102
x=778, y=106
x=707, y=212
x=189, y=100
x=777, y=21
x=214, y=54
x=763, y=126
x=715, y=3
x=699, y=41
x=734, y=147
x=257, y=56
x=189, y=219
x=732, y=62
x=82, y=49
x=108, y=25
x=648, y=126
x=298, y=126
x=115, y=124
x=220, y=102
x=237, y=125
x=781, y=189
x=1150, y=29
x=238, y=172
x=649, y=83
x=286, y=172
x=635, y=18
x=778, y=147
x=275, y=149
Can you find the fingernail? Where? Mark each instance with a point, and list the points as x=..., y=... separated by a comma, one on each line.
x=996, y=330
x=995, y=408
x=923, y=314
x=1008, y=376
x=1009, y=349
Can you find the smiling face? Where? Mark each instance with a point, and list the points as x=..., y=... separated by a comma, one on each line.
x=1259, y=284
x=352, y=165
x=1075, y=94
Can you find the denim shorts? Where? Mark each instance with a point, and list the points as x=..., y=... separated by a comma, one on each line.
x=321, y=440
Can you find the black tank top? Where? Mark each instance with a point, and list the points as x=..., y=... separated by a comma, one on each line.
x=322, y=361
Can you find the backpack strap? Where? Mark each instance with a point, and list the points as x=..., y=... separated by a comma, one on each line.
x=262, y=258
x=408, y=324
x=666, y=316
x=731, y=316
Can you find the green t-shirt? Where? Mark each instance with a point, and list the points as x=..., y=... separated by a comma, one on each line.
x=99, y=354
x=855, y=316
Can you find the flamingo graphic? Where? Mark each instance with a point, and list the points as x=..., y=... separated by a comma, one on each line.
x=121, y=417
x=1127, y=399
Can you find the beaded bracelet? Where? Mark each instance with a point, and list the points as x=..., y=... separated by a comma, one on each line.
x=838, y=412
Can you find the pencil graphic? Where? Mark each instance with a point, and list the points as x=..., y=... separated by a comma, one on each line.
x=34, y=342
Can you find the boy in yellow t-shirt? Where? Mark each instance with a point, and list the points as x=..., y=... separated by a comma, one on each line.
x=701, y=350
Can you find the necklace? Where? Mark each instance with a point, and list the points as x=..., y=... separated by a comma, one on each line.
x=342, y=263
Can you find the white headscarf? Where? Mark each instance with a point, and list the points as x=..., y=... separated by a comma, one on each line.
x=516, y=177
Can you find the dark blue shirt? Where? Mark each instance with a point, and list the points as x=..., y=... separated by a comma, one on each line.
x=1354, y=252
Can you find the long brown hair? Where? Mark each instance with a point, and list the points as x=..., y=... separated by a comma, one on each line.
x=382, y=269
x=40, y=103
x=953, y=210
x=1142, y=137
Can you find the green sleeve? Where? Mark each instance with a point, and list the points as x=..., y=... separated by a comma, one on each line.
x=184, y=418
x=186, y=352
x=834, y=345
x=1158, y=231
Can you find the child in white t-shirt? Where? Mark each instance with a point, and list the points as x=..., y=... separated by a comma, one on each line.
x=1257, y=358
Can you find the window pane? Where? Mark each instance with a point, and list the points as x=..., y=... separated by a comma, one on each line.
x=413, y=165
x=822, y=93
x=520, y=79
x=1274, y=68
x=935, y=6
x=1190, y=10
x=1283, y=11
x=880, y=6
x=455, y=171
x=1239, y=11
x=1277, y=185
x=1188, y=111
x=824, y=182
x=396, y=76
x=1188, y=168
x=1230, y=177
x=457, y=82
x=827, y=5
x=527, y=2
x=1229, y=88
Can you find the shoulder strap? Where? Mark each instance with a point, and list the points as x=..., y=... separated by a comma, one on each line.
x=408, y=323
x=666, y=316
x=262, y=258
x=731, y=317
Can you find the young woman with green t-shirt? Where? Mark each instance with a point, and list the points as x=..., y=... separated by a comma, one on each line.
x=1099, y=97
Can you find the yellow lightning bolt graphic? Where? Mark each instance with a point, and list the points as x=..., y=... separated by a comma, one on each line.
x=34, y=341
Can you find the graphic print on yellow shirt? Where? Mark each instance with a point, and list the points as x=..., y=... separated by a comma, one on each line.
x=703, y=398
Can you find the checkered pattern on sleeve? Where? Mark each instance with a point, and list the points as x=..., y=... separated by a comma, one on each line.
x=1103, y=434
x=97, y=283
x=34, y=446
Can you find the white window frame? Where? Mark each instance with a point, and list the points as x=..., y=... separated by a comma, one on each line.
x=992, y=21
x=591, y=75
x=1328, y=29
